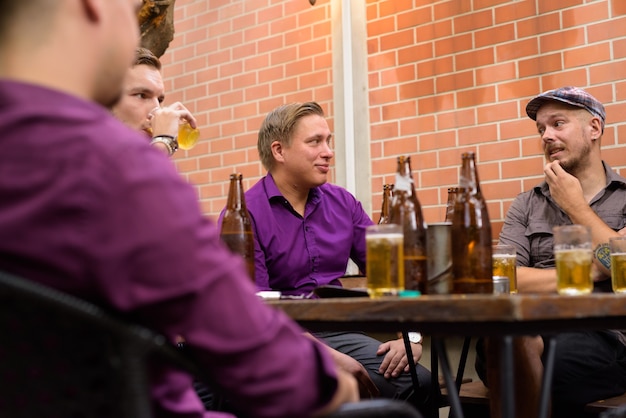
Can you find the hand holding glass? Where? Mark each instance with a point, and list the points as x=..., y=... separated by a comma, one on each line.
x=573, y=254
x=385, y=259
x=187, y=136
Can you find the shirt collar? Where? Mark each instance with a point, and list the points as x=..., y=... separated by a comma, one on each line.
x=272, y=191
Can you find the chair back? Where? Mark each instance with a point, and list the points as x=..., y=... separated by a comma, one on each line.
x=376, y=408
x=61, y=356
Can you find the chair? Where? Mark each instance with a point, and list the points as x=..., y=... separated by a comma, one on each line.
x=618, y=412
x=376, y=408
x=64, y=357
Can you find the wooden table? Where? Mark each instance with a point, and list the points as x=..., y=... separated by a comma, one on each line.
x=465, y=315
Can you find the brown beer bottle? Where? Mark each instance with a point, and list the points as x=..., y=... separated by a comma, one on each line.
x=407, y=211
x=452, y=192
x=471, y=234
x=236, y=230
x=386, y=206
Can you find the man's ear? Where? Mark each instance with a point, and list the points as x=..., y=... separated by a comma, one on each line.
x=277, y=150
x=93, y=9
x=596, y=128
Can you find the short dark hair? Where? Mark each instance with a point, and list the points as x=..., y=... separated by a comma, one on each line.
x=143, y=56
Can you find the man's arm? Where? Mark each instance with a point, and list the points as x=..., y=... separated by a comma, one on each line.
x=534, y=280
x=567, y=192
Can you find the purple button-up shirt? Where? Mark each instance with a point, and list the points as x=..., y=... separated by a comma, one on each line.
x=88, y=207
x=295, y=254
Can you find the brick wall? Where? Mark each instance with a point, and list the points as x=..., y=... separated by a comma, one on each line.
x=444, y=77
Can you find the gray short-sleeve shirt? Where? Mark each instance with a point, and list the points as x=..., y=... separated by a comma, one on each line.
x=529, y=221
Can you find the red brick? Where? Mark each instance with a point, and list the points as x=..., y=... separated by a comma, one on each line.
x=438, y=103
x=514, y=11
x=399, y=110
x=545, y=63
x=473, y=21
x=456, y=81
x=456, y=119
x=478, y=134
x=417, y=125
x=562, y=40
x=436, y=66
x=537, y=25
x=474, y=58
x=383, y=95
x=413, y=18
x=398, y=75
x=476, y=96
x=397, y=39
x=453, y=45
x=452, y=8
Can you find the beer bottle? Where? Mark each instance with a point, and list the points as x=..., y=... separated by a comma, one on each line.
x=407, y=211
x=471, y=232
x=236, y=230
x=386, y=206
x=452, y=192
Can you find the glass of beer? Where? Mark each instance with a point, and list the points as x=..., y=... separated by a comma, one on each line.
x=384, y=259
x=618, y=264
x=504, y=257
x=187, y=136
x=573, y=254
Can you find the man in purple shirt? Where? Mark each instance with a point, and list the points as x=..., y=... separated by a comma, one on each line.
x=305, y=232
x=88, y=207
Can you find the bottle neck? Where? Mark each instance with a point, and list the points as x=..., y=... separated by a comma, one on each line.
x=386, y=206
x=236, y=199
x=404, y=177
x=469, y=176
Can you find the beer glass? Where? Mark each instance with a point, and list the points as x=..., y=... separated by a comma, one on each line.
x=503, y=258
x=384, y=259
x=187, y=136
x=618, y=264
x=573, y=254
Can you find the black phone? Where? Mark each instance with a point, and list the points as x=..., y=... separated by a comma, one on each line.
x=332, y=291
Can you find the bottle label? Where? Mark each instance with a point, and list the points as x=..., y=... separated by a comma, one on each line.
x=403, y=183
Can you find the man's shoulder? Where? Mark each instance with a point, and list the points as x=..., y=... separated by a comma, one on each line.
x=256, y=192
x=335, y=191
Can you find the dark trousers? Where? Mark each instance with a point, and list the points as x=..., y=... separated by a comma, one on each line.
x=363, y=348
x=589, y=366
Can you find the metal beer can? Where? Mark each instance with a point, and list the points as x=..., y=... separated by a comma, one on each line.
x=439, y=261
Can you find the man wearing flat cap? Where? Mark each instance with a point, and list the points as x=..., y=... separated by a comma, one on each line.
x=579, y=188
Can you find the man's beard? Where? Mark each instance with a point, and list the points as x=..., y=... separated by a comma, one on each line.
x=576, y=164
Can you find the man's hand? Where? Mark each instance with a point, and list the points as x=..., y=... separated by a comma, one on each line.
x=395, y=361
x=565, y=188
x=165, y=120
x=347, y=391
x=367, y=388
x=346, y=363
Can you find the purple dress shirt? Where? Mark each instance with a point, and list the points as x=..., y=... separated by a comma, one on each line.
x=295, y=254
x=88, y=207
